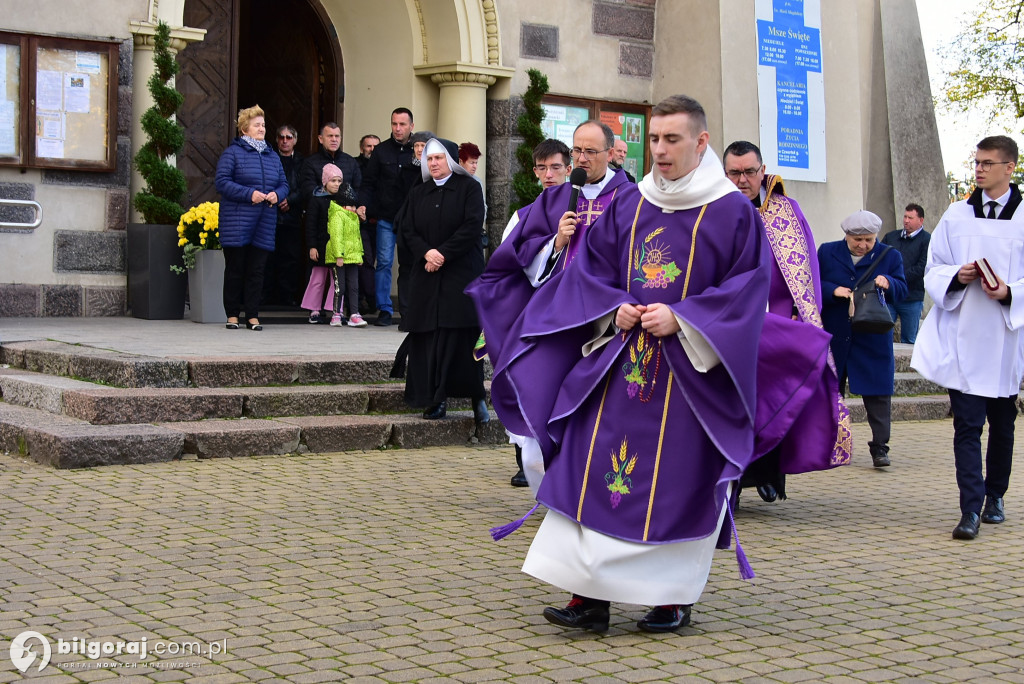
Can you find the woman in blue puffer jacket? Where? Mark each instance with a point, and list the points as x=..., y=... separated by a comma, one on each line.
x=250, y=179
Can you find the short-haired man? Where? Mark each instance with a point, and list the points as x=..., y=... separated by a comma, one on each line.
x=543, y=238
x=971, y=341
x=794, y=292
x=368, y=232
x=281, y=277
x=620, y=150
x=640, y=363
x=912, y=244
x=330, y=152
x=389, y=177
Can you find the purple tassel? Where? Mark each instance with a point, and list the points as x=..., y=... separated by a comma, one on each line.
x=746, y=572
x=503, y=531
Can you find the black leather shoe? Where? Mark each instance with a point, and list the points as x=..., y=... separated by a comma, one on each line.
x=519, y=479
x=767, y=493
x=880, y=460
x=383, y=319
x=993, y=511
x=436, y=411
x=480, y=412
x=665, y=619
x=968, y=527
x=580, y=614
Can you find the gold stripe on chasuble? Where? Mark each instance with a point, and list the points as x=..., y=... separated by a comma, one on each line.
x=657, y=457
x=590, y=454
x=632, y=241
x=785, y=238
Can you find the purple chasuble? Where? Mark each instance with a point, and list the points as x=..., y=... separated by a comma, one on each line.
x=641, y=445
x=502, y=292
x=819, y=437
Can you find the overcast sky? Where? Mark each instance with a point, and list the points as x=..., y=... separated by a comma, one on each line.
x=941, y=20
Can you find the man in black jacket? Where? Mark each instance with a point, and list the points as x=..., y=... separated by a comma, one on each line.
x=389, y=177
x=281, y=279
x=330, y=153
x=912, y=244
x=368, y=232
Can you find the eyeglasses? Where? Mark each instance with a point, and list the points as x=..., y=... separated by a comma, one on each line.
x=286, y=137
x=554, y=168
x=987, y=164
x=749, y=173
x=588, y=153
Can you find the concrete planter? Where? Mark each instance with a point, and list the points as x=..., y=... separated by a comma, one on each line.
x=206, y=287
x=154, y=291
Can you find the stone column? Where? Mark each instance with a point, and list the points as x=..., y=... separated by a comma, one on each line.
x=462, y=107
x=143, y=67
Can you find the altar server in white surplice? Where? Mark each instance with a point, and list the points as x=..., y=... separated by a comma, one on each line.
x=971, y=341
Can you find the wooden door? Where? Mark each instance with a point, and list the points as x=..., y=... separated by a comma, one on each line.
x=275, y=53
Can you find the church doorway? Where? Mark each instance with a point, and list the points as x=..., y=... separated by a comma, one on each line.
x=281, y=54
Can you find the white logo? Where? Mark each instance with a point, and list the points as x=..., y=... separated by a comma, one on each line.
x=23, y=656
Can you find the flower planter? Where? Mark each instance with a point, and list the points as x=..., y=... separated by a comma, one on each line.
x=206, y=287
x=154, y=291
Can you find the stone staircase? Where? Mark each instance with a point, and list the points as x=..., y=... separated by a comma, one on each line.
x=70, y=406
x=73, y=406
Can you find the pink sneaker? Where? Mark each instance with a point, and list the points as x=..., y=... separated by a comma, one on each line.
x=356, y=321
x=336, y=320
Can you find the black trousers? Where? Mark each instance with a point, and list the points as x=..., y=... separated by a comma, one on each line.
x=346, y=284
x=367, y=287
x=879, y=410
x=243, y=280
x=969, y=414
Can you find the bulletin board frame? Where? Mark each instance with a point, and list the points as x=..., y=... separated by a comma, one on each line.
x=67, y=108
x=638, y=159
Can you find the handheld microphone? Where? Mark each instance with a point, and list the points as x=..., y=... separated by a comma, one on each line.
x=578, y=178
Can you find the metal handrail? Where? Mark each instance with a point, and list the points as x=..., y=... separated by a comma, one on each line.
x=23, y=203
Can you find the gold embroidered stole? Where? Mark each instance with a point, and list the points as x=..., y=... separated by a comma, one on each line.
x=787, y=241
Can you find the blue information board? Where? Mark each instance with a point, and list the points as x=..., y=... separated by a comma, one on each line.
x=790, y=87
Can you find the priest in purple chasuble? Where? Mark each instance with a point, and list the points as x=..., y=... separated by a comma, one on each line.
x=541, y=239
x=821, y=438
x=639, y=374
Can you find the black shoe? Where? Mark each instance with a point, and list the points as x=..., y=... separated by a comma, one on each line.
x=436, y=411
x=767, y=492
x=665, y=619
x=383, y=319
x=968, y=527
x=993, y=511
x=480, y=412
x=880, y=460
x=519, y=479
x=580, y=614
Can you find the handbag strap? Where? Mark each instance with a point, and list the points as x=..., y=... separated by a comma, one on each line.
x=868, y=273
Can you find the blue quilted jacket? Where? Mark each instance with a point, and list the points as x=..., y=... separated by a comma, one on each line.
x=240, y=170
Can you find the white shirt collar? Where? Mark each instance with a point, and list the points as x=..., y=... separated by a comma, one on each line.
x=910, y=235
x=1001, y=200
x=592, y=190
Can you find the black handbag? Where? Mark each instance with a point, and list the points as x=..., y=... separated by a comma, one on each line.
x=868, y=311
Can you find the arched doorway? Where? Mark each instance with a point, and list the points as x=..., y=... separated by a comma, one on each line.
x=281, y=54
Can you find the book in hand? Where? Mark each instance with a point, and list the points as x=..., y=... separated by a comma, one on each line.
x=988, y=276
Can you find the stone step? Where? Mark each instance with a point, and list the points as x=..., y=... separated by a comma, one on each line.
x=63, y=442
x=910, y=383
x=325, y=434
x=98, y=365
x=928, y=407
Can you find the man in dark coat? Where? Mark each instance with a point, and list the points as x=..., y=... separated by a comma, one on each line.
x=912, y=244
x=281, y=280
x=330, y=153
x=440, y=227
x=368, y=231
x=389, y=176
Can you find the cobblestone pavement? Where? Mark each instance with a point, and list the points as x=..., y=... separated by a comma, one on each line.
x=377, y=567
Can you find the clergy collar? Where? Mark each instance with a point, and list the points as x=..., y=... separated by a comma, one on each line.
x=704, y=184
x=592, y=190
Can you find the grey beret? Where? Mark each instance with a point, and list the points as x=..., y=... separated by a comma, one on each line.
x=861, y=223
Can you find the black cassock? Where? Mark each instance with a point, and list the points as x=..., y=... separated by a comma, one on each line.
x=440, y=319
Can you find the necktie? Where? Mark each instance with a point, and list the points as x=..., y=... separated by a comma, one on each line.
x=991, y=209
